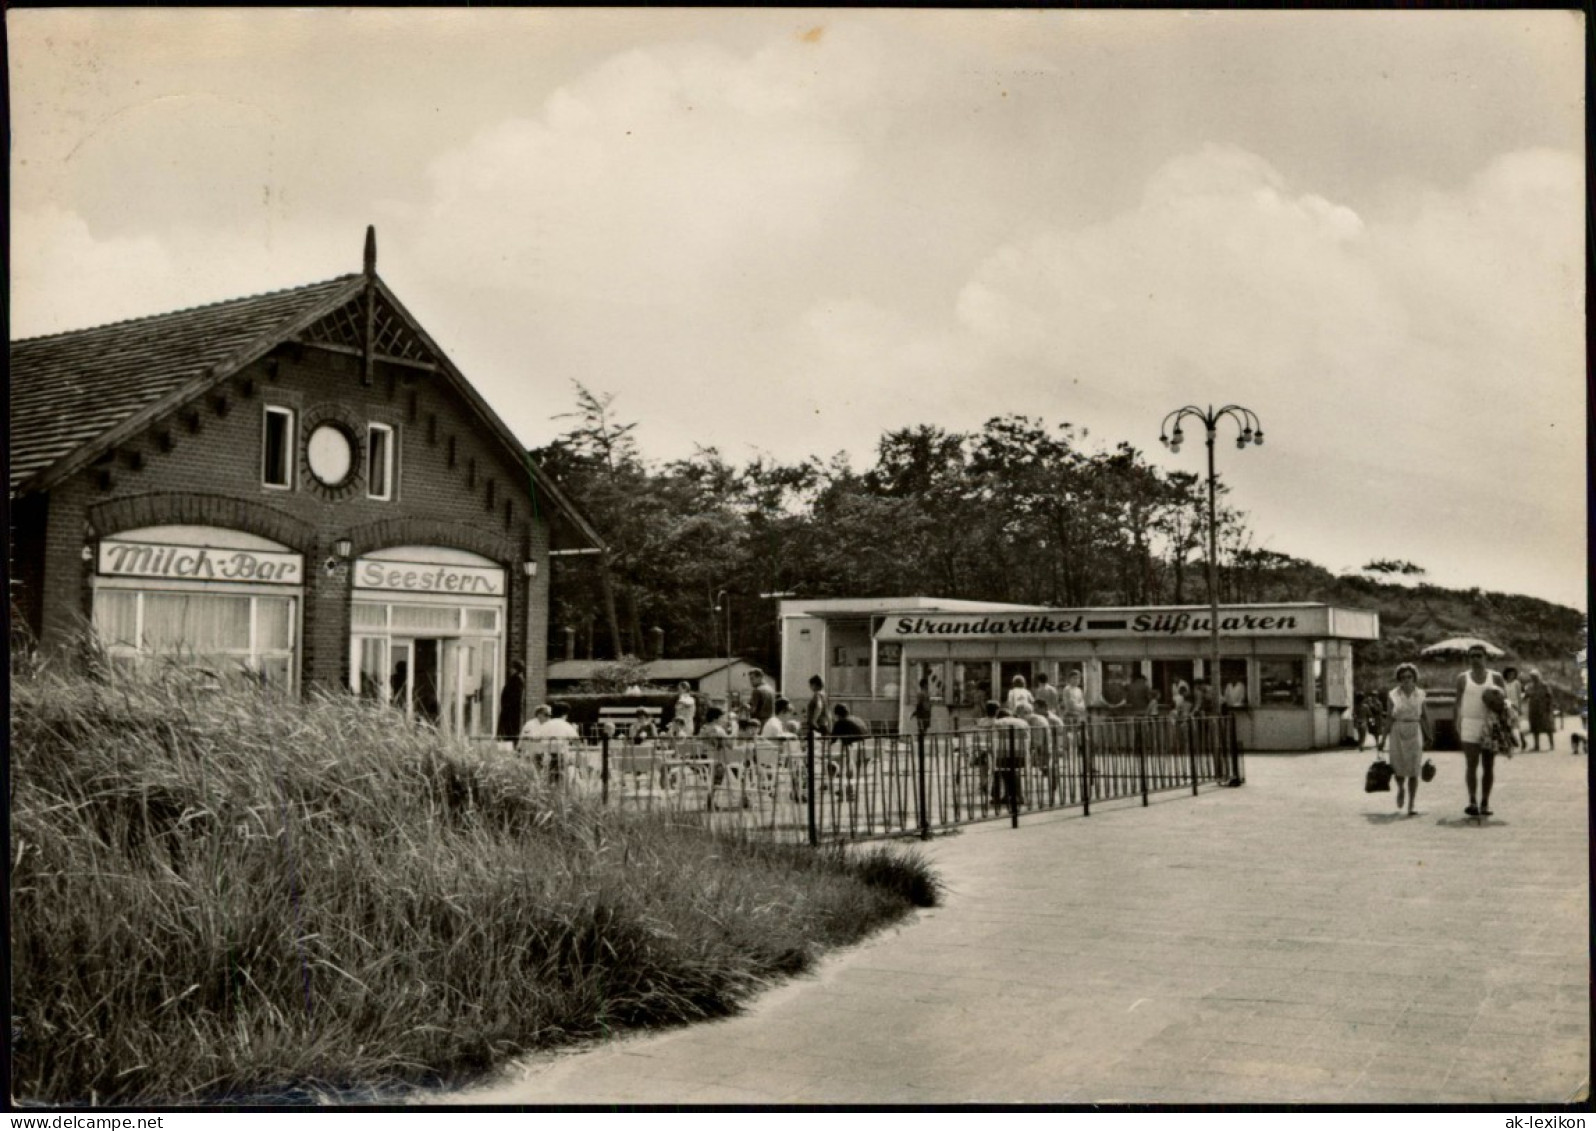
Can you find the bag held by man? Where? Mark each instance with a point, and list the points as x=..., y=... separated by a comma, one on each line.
x=1378, y=779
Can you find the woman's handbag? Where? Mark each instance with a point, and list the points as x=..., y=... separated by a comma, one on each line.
x=1378, y=779
x=1427, y=771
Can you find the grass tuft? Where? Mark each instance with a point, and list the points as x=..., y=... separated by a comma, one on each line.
x=220, y=895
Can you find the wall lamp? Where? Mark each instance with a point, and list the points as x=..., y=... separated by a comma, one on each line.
x=342, y=548
x=530, y=568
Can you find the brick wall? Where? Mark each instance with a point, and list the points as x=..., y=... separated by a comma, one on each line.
x=455, y=485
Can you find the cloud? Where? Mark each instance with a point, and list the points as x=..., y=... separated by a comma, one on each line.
x=53, y=254
x=1219, y=275
x=1410, y=349
x=790, y=242
x=60, y=268
x=667, y=175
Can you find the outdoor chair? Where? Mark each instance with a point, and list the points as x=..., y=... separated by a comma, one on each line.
x=636, y=766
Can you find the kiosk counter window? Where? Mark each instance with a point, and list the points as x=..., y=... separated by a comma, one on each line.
x=932, y=673
x=1233, y=684
x=1280, y=682
x=1166, y=674
x=848, y=675
x=971, y=684
x=1115, y=684
x=889, y=661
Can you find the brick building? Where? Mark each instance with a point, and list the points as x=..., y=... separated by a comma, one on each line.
x=296, y=485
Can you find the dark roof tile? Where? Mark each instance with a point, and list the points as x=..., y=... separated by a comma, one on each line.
x=69, y=389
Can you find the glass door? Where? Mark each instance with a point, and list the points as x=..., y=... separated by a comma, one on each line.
x=450, y=682
x=476, y=665
x=400, y=662
x=466, y=686
x=371, y=668
x=426, y=681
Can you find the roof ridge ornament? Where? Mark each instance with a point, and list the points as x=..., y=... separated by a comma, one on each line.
x=369, y=334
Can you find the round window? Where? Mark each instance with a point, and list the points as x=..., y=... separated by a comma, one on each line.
x=330, y=454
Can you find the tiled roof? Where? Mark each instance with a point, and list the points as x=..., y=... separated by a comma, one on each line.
x=69, y=389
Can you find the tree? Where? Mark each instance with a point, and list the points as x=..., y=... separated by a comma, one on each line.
x=598, y=462
x=617, y=677
x=1392, y=570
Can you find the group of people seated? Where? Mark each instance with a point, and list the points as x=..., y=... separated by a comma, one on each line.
x=559, y=751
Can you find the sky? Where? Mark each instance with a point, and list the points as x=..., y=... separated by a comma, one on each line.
x=786, y=232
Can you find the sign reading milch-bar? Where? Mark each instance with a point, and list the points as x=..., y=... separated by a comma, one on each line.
x=199, y=563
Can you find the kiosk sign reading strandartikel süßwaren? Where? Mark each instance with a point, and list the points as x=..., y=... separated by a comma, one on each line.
x=1251, y=621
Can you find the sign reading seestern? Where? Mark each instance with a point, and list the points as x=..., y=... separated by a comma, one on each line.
x=199, y=563
x=423, y=577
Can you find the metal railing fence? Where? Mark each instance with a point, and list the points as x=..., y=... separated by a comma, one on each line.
x=882, y=785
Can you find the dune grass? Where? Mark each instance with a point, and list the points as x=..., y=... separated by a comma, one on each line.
x=219, y=895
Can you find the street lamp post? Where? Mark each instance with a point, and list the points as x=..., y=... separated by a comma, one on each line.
x=1251, y=433
x=722, y=602
x=781, y=651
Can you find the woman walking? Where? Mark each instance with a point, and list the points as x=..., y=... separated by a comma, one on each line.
x=1538, y=703
x=1409, y=733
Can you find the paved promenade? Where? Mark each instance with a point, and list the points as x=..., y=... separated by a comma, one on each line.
x=1293, y=941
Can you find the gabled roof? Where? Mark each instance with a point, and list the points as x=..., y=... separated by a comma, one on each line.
x=76, y=395
x=655, y=671
x=69, y=390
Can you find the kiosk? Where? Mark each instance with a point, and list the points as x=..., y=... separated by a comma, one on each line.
x=836, y=639
x=1287, y=668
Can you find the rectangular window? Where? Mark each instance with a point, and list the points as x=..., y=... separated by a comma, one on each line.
x=364, y=614
x=116, y=618
x=277, y=448
x=426, y=618
x=226, y=634
x=379, y=459
x=1280, y=683
x=1233, y=684
x=934, y=675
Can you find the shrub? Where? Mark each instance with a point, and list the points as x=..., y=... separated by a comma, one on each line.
x=216, y=894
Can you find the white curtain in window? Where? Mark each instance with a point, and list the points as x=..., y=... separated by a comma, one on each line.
x=116, y=618
x=426, y=617
x=193, y=622
x=274, y=618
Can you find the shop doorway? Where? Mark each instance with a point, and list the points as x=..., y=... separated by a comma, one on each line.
x=448, y=682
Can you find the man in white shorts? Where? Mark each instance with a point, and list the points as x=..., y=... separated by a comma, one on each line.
x=1472, y=718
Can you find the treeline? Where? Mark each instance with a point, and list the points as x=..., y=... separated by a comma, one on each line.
x=1018, y=511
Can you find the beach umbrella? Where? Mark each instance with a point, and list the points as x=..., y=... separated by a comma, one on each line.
x=1460, y=645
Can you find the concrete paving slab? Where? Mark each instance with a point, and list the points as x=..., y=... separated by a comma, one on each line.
x=1292, y=941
